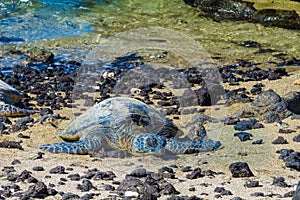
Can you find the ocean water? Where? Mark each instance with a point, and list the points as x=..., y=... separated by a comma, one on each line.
x=35, y=20
x=27, y=21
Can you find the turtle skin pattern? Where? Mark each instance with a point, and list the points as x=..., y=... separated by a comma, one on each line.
x=8, y=97
x=125, y=124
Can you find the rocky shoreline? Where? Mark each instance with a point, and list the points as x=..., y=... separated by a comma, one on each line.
x=237, y=10
x=240, y=170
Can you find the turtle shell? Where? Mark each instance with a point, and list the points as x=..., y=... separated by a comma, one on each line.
x=116, y=116
x=8, y=94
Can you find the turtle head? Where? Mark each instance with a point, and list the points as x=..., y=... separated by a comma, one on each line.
x=148, y=143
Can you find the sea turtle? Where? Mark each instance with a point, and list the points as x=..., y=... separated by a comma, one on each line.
x=8, y=97
x=125, y=124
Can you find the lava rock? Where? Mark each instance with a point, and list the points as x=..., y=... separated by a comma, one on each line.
x=280, y=140
x=38, y=190
x=85, y=186
x=196, y=173
x=70, y=196
x=168, y=189
x=296, y=195
x=260, y=141
x=186, y=169
x=293, y=102
x=286, y=131
x=247, y=125
x=140, y=172
x=8, y=169
x=243, y=136
x=236, y=10
x=21, y=135
x=237, y=96
x=251, y=184
x=38, y=168
x=279, y=181
x=74, y=177
x=257, y=194
x=296, y=138
x=291, y=158
x=57, y=170
x=240, y=169
x=231, y=121
x=267, y=106
x=236, y=198
x=23, y=176
x=11, y=145
x=15, y=161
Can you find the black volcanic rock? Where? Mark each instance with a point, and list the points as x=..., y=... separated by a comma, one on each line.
x=268, y=106
x=237, y=10
x=240, y=169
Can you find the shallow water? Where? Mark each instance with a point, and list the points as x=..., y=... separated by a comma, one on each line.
x=43, y=19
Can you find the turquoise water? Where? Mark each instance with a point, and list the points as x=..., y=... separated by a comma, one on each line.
x=36, y=20
x=44, y=20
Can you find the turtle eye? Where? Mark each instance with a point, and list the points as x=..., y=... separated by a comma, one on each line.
x=152, y=142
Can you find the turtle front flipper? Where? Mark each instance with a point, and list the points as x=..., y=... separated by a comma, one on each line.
x=78, y=147
x=187, y=147
x=13, y=111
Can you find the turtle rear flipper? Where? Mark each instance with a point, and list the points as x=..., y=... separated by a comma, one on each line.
x=78, y=147
x=13, y=111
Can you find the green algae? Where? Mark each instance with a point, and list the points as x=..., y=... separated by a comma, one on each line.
x=220, y=39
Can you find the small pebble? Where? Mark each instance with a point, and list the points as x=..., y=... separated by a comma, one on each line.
x=139, y=172
x=219, y=189
x=251, y=184
x=280, y=140
x=57, y=170
x=32, y=180
x=16, y=161
x=260, y=141
x=226, y=192
x=166, y=169
x=242, y=154
x=243, y=136
x=108, y=187
x=279, y=181
x=85, y=186
x=74, y=177
x=231, y=121
x=186, y=169
x=196, y=173
x=296, y=138
x=236, y=198
x=257, y=194
x=38, y=168
x=286, y=131
x=70, y=196
x=21, y=135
